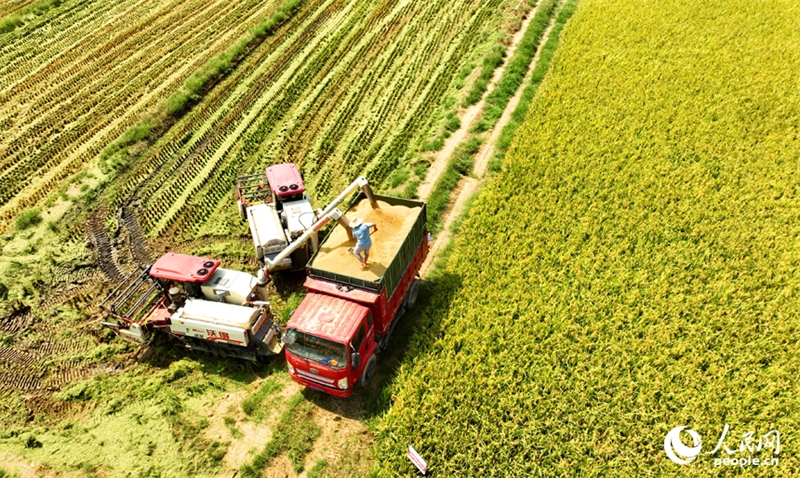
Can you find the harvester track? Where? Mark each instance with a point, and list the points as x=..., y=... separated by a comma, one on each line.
x=102, y=249
x=15, y=323
x=14, y=356
x=35, y=368
x=138, y=244
x=16, y=381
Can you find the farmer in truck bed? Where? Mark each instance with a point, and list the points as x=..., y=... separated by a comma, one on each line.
x=363, y=241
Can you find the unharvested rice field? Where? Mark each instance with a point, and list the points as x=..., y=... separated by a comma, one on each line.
x=634, y=266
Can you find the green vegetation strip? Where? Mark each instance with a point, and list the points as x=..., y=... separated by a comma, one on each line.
x=493, y=59
x=517, y=67
x=10, y=23
x=528, y=94
x=122, y=152
x=633, y=267
x=294, y=435
x=491, y=62
x=460, y=165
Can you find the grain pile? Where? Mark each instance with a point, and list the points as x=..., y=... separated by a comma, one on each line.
x=394, y=223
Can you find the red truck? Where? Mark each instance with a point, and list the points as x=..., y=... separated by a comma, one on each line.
x=333, y=337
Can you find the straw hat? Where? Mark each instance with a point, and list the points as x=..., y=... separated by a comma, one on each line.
x=356, y=222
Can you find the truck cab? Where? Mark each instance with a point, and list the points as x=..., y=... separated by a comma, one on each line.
x=330, y=344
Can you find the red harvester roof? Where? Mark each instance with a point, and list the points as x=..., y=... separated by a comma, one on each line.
x=285, y=179
x=327, y=317
x=183, y=268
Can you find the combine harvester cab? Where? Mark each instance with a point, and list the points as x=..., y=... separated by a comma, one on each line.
x=205, y=307
x=279, y=212
x=333, y=337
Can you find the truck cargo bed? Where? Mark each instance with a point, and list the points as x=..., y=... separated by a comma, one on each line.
x=401, y=224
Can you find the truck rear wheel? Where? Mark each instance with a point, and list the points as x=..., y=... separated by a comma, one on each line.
x=413, y=291
x=368, y=372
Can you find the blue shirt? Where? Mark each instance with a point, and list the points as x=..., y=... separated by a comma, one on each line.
x=361, y=233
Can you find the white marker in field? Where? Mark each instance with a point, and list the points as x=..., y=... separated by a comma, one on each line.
x=417, y=460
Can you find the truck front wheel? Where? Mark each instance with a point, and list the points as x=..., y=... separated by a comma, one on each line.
x=368, y=372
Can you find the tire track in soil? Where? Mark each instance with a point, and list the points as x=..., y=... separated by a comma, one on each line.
x=137, y=243
x=14, y=356
x=16, y=322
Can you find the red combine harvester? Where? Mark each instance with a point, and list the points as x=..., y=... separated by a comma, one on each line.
x=205, y=307
x=284, y=226
x=279, y=212
x=333, y=337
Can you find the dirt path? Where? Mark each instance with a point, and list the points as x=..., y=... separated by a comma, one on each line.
x=470, y=185
x=338, y=430
x=487, y=149
x=468, y=116
x=342, y=437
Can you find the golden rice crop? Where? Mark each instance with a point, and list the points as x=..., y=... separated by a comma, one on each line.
x=634, y=266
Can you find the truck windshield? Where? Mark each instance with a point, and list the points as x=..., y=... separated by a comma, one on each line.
x=317, y=349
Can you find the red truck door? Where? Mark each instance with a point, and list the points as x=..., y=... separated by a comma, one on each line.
x=364, y=343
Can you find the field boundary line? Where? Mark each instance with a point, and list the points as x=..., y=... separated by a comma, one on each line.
x=468, y=116
x=468, y=186
x=487, y=149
